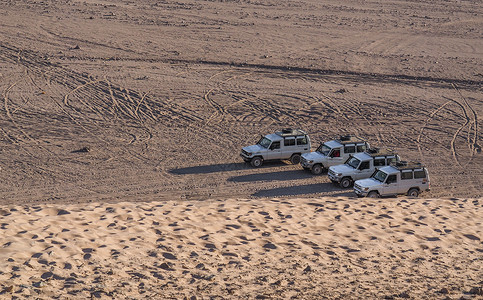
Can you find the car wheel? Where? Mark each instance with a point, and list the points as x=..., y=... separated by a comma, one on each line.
x=256, y=162
x=413, y=193
x=373, y=194
x=317, y=169
x=345, y=182
x=295, y=159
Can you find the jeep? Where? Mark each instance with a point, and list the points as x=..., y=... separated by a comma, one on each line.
x=285, y=144
x=410, y=178
x=332, y=153
x=361, y=165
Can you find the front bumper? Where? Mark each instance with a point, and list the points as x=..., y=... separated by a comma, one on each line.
x=305, y=163
x=245, y=158
x=334, y=178
x=359, y=192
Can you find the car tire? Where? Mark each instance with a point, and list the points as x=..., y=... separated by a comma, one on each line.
x=413, y=193
x=256, y=162
x=345, y=183
x=373, y=194
x=317, y=169
x=295, y=159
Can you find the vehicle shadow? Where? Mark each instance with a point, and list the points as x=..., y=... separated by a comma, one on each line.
x=316, y=188
x=273, y=176
x=223, y=168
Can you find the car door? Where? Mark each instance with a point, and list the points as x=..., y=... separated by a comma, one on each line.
x=288, y=148
x=303, y=144
x=336, y=157
x=364, y=170
x=274, y=151
x=390, y=187
x=407, y=181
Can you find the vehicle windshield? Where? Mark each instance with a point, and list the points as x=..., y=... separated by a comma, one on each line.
x=380, y=176
x=264, y=142
x=353, y=162
x=324, y=149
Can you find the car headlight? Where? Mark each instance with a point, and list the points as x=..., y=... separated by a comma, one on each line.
x=249, y=153
x=339, y=174
x=311, y=161
x=365, y=189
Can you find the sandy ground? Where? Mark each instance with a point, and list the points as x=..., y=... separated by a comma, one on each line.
x=325, y=248
x=164, y=94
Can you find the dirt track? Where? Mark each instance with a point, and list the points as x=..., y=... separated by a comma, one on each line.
x=165, y=94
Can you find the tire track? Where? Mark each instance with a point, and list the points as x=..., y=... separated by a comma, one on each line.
x=426, y=124
x=9, y=115
x=474, y=146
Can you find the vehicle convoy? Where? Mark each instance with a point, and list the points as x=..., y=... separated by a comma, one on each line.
x=361, y=165
x=410, y=178
x=333, y=153
x=285, y=144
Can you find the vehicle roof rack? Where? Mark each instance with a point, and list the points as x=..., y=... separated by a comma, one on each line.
x=345, y=137
x=349, y=138
x=380, y=152
x=290, y=132
x=372, y=150
x=407, y=165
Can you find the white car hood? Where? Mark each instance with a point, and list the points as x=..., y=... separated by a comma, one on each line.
x=313, y=156
x=254, y=149
x=342, y=169
x=368, y=182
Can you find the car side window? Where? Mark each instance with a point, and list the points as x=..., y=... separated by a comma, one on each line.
x=289, y=142
x=302, y=141
x=336, y=153
x=349, y=149
x=275, y=145
x=364, y=165
x=419, y=174
x=391, y=179
x=379, y=161
x=361, y=148
x=406, y=175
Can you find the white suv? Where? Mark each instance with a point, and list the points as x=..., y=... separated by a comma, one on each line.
x=361, y=165
x=407, y=178
x=333, y=153
x=286, y=144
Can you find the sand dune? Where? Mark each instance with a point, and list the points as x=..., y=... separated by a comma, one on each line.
x=275, y=248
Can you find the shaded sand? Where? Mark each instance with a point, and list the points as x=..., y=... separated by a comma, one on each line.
x=336, y=248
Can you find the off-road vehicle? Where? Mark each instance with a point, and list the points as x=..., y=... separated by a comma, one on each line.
x=333, y=153
x=409, y=178
x=285, y=144
x=361, y=165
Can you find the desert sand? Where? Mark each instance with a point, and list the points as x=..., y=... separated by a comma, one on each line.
x=324, y=248
x=122, y=123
